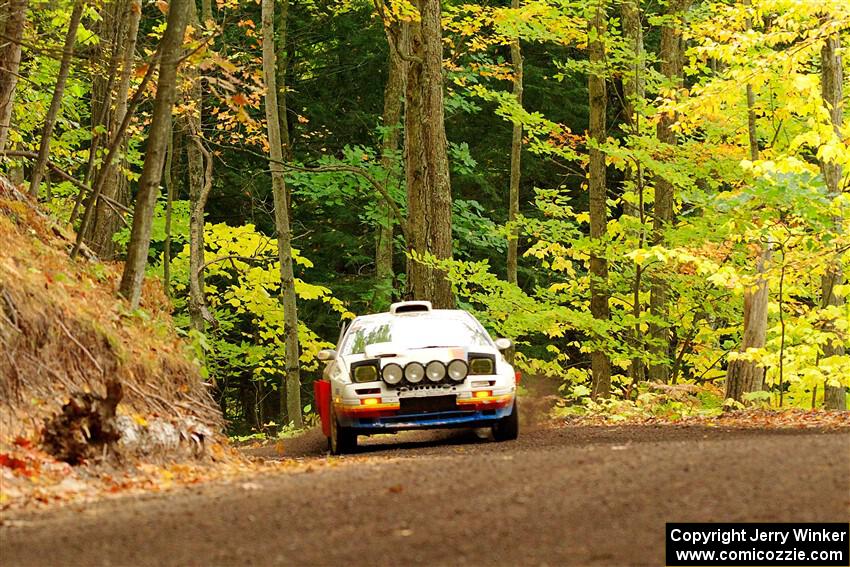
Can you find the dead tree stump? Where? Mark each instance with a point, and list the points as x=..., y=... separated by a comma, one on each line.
x=85, y=425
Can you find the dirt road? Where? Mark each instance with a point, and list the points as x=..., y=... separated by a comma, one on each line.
x=566, y=496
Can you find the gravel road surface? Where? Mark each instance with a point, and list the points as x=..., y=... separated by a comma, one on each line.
x=557, y=496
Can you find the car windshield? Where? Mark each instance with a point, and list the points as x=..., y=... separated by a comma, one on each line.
x=415, y=332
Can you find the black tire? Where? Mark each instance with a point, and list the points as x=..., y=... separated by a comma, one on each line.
x=342, y=440
x=507, y=428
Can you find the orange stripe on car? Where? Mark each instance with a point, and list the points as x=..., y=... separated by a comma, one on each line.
x=489, y=401
x=358, y=409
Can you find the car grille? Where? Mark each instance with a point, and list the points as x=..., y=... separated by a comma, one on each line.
x=427, y=404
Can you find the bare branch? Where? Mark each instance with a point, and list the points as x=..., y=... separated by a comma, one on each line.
x=69, y=178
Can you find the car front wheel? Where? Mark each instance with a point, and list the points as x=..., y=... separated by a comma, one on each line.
x=507, y=428
x=343, y=439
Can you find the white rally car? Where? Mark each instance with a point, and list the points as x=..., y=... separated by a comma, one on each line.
x=415, y=368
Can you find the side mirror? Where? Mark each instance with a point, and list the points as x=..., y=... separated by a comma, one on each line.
x=504, y=344
x=326, y=355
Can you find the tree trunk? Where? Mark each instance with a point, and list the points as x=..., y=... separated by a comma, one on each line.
x=206, y=11
x=55, y=102
x=168, y=181
x=292, y=389
x=111, y=31
x=834, y=397
x=111, y=152
x=429, y=191
x=10, y=60
x=634, y=82
x=634, y=92
x=280, y=69
x=200, y=183
x=112, y=28
x=160, y=130
x=516, y=154
x=744, y=376
x=393, y=100
x=106, y=221
x=671, y=56
x=600, y=363
x=248, y=399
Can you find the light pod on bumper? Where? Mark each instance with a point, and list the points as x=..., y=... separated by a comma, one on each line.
x=392, y=374
x=435, y=371
x=457, y=370
x=414, y=372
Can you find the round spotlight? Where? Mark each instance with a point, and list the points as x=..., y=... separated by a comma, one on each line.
x=435, y=371
x=457, y=370
x=392, y=373
x=414, y=372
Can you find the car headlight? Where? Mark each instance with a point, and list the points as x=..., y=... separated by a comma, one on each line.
x=392, y=373
x=457, y=370
x=414, y=372
x=365, y=371
x=435, y=371
x=482, y=364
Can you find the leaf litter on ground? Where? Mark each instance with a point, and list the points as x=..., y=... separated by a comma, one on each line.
x=745, y=419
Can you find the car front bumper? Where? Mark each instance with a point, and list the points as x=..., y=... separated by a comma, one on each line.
x=385, y=418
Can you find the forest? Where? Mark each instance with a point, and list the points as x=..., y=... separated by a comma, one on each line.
x=649, y=197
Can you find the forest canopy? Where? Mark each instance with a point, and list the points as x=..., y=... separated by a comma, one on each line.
x=648, y=198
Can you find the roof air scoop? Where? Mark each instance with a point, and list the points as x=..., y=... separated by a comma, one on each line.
x=410, y=307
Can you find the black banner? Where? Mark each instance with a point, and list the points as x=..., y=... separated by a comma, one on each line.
x=692, y=545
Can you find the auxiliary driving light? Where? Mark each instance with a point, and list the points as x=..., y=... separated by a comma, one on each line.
x=457, y=370
x=482, y=394
x=435, y=371
x=365, y=374
x=370, y=401
x=392, y=374
x=414, y=372
x=482, y=366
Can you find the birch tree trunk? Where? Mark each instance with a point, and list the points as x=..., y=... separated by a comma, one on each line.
x=429, y=190
x=10, y=61
x=391, y=120
x=292, y=389
x=160, y=131
x=600, y=363
x=516, y=154
x=56, y=101
x=832, y=77
x=671, y=56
